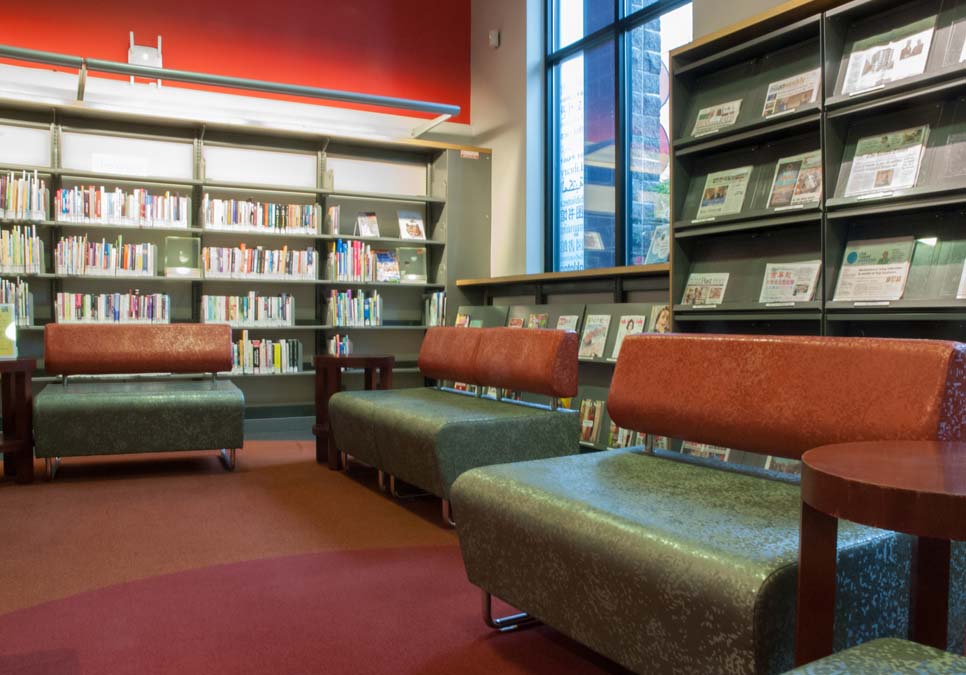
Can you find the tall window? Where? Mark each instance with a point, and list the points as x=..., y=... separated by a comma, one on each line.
x=608, y=150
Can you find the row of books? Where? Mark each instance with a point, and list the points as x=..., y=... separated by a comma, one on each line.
x=340, y=345
x=21, y=250
x=130, y=307
x=78, y=256
x=249, y=310
x=354, y=308
x=23, y=197
x=352, y=261
x=18, y=294
x=872, y=270
x=252, y=216
x=266, y=357
x=137, y=208
x=242, y=262
x=367, y=223
x=435, y=309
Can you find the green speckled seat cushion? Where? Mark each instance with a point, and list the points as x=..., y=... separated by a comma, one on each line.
x=428, y=437
x=668, y=567
x=107, y=417
x=888, y=656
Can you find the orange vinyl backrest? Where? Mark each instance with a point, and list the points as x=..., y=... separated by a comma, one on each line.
x=99, y=349
x=449, y=353
x=540, y=361
x=786, y=395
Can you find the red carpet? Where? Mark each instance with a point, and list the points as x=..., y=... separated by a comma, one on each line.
x=396, y=611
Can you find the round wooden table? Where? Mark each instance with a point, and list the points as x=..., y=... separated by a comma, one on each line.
x=916, y=487
x=377, y=373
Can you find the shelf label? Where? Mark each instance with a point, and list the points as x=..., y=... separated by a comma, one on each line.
x=469, y=154
x=779, y=304
x=790, y=207
x=707, y=133
x=866, y=91
x=876, y=195
x=704, y=306
x=879, y=303
x=702, y=220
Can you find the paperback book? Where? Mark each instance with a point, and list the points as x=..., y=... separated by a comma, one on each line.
x=790, y=282
x=567, y=322
x=595, y=336
x=620, y=437
x=874, y=269
x=705, y=289
x=798, y=180
x=717, y=117
x=887, y=162
x=783, y=465
x=791, y=93
x=387, y=265
x=367, y=225
x=706, y=451
x=660, y=319
x=411, y=225
x=629, y=325
x=659, y=250
x=724, y=192
x=332, y=216
x=895, y=55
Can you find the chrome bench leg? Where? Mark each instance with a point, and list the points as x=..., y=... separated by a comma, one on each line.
x=344, y=458
x=382, y=481
x=51, y=464
x=398, y=495
x=448, y=513
x=227, y=457
x=504, y=624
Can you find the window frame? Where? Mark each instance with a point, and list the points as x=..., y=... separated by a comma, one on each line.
x=616, y=32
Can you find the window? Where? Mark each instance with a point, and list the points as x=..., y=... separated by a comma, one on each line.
x=608, y=98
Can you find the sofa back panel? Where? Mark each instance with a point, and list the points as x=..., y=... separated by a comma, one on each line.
x=785, y=395
x=98, y=349
x=540, y=361
x=449, y=353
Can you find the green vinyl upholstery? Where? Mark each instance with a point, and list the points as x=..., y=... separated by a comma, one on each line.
x=118, y=417
x=670, y=567
x=428, y=437
x=887, y=656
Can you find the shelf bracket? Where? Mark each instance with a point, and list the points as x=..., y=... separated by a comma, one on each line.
x=81, y=82
x=431, y=124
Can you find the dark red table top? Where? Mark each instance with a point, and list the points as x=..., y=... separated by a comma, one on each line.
x=18, y=365
x=917, y=487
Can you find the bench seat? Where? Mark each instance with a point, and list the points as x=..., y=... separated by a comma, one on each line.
x=428, y=437
x=888, y=656
x=116, y=417
x=635, y=556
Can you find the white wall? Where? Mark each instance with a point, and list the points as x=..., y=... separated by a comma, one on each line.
x=507, y=115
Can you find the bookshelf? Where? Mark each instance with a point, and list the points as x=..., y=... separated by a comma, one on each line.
x=447, y=187
x=884, y=67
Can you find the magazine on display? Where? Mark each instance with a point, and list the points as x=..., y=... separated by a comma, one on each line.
x=387, y=265
x=955, y=151
x=591, y=414
x=705, y=450
x=660, y=319
x=629, y=325
x=961, y=291
x=619, y=437
x=874, y=269
x=660, y=249
x=783, y=465
x=717, y=117
x=705, y=289
x=367, y=225
x=538, y=320
x=798, y=181
x=790, y=282
x=791, y=93
x=411, y=225
x=515, y=322
x=891, y=56
x=567, y=322
x=724, y=193
x=595, y=336
x=462, y=320
x=887, y=162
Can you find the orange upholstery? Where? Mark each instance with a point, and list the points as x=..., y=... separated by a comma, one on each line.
x=785, y=395
x=540, y=361
x=449, y=353
x=98, y=349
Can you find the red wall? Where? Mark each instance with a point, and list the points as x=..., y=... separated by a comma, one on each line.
x=417, y=49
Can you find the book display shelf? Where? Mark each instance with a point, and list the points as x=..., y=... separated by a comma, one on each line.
x=819, y=181
x=113, y=218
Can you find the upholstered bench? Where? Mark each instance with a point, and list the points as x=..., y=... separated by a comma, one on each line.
x=886, y=656
x=667, y=566
x=105, y=414
x=429, y=436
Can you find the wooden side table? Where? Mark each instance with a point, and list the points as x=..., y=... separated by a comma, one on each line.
x=377, y=369
x=916, y=487
x=17, y=400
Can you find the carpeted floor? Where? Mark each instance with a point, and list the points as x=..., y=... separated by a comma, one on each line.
x=169, y=564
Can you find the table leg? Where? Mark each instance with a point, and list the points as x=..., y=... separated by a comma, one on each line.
x=370, y=378
x=23, y=427
x=815, y=620
x=6, y=409
x=929, y=592
x=385, y=378
x=333, y=383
